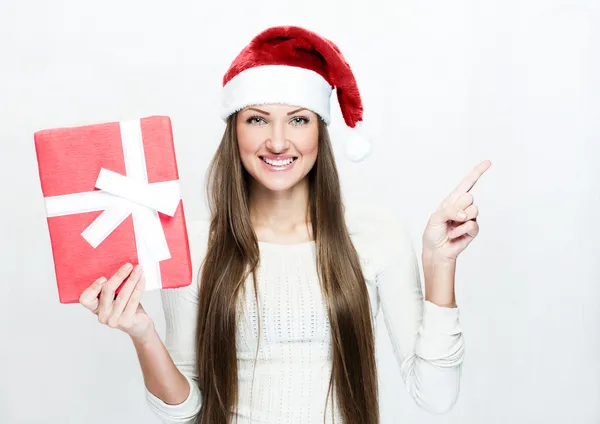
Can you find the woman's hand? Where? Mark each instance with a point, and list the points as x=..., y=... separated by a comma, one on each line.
x=454, y=225
x=124, y=311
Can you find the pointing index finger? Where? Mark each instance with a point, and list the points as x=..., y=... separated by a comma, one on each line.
x=469, y=181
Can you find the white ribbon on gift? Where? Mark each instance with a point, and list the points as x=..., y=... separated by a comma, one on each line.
x=120, y=196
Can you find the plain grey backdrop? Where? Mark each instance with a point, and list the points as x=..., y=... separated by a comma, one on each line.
x=445, y=85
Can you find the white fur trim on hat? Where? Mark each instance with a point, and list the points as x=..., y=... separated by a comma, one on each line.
x=279, y=84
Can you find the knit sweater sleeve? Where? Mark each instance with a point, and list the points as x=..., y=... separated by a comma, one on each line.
x=180, y=308
x=427, y=339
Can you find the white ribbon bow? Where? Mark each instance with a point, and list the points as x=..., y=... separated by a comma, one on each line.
x=120, y=196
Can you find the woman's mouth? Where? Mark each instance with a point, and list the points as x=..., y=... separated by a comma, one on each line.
x=278, y=165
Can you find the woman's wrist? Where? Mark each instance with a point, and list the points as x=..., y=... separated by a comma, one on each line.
x=144, y=340
x=439, y=279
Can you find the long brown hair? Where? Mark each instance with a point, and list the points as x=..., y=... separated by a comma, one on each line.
x=233, y=253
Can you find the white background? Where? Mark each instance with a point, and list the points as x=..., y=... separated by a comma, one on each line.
x=445, y=85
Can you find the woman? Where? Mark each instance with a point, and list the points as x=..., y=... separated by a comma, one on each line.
x=279, y=325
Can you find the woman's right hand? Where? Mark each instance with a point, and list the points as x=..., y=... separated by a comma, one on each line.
x=124, y=311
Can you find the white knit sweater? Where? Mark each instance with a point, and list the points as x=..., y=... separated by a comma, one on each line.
x=294, y=360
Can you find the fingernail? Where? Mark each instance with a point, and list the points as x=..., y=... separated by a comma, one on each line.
x=102, y=280
x=128, y=266
x=462, y=215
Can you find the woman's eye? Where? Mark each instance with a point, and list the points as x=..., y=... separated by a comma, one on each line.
x=299, y=120
x=255, y=120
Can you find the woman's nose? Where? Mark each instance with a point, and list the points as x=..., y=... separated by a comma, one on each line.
x=277, y=141
x=277, y=147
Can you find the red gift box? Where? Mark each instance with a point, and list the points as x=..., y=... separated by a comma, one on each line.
x=112, y=196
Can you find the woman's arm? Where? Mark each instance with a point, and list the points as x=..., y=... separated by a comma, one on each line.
x=169, y=369
x=161, y=376
x=426, y=338
x=171, y=388
x=173, y=397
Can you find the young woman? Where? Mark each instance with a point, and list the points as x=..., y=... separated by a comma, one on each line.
x=278, y=327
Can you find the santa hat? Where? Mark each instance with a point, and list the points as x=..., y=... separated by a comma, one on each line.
x=291, y=65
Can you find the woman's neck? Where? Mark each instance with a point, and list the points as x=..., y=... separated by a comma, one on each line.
x=280, y=215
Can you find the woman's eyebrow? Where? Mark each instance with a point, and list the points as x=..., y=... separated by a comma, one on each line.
x=267, y=113
x=258, y=110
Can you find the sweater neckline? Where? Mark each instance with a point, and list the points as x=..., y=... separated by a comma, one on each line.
x=302, y=244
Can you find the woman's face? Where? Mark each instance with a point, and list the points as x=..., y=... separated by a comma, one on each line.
x=278, y=144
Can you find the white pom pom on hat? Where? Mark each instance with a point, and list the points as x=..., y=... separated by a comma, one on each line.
x=295, y=66
x=357, y=144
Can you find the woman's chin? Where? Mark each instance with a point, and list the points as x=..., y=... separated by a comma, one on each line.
x=277, y=184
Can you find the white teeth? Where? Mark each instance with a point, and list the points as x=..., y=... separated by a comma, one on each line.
x=278, y=162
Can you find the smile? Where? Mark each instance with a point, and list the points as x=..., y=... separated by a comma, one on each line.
x=278, y=164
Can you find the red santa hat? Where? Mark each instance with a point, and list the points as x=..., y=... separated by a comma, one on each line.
x=291, y=65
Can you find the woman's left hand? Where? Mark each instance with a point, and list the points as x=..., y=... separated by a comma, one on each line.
x=448, y=232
